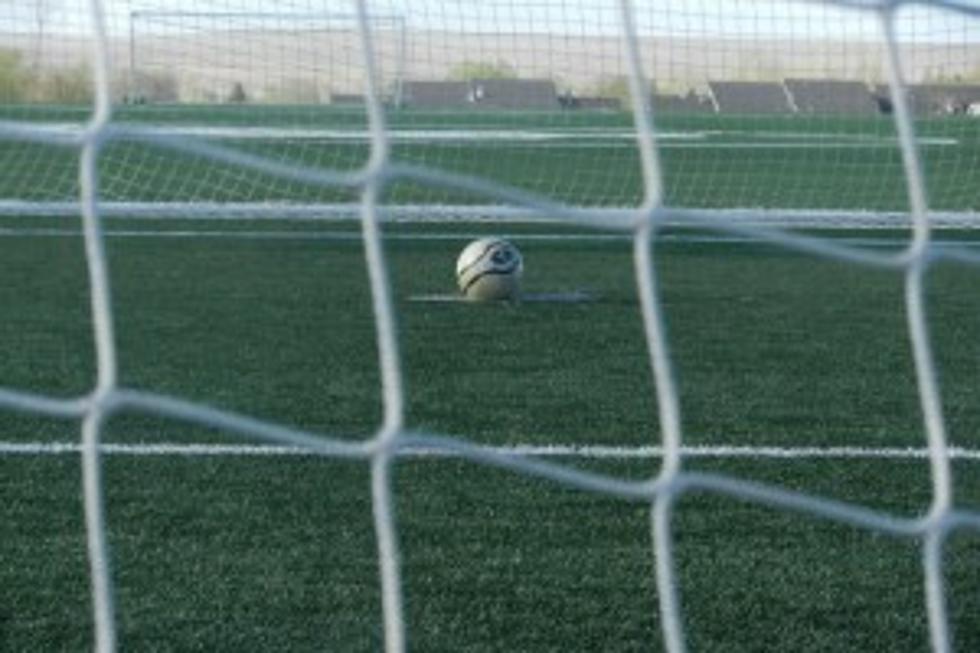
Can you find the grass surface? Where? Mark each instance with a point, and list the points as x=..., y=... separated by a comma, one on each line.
x=274, y=320
x=244, y=553
x=577, y=157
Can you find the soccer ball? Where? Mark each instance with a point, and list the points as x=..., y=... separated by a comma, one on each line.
x=490, y=269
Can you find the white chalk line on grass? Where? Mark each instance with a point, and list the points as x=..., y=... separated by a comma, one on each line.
x=287, y=235
x=586, y=451
x=352, y=236
x=605, y=138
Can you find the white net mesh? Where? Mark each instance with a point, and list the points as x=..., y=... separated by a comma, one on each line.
x=765, y=108
x=401, y=73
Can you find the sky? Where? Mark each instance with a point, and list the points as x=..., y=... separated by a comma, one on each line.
x=791, y=19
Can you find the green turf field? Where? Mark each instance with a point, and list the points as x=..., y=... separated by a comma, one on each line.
x=583, y=158
x=246, y=549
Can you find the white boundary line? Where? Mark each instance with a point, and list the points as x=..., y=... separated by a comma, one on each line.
x=305, y=234
x=355, y=236
x=587, y=451
x=495, y=214
x=604, y=137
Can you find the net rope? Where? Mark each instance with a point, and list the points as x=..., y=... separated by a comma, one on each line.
x=393, y=438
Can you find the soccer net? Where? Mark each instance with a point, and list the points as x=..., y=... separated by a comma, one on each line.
x=781, y=110
x=622, y=116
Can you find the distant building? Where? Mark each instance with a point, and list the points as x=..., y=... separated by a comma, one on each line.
x=425, y=94
x=480, y=93
x=943, y=99
x=595, y=103
x=690, y=103
x=513, y=94
x=933, y=99
x=831, y=96
x=750, y=97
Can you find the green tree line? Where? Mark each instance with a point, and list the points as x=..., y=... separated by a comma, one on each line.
x=60, y=85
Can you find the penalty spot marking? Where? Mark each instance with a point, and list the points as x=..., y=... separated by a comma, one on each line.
x=588, y=451
x=571, y=297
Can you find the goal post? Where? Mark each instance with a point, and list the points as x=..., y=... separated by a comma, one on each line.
x=316, y=64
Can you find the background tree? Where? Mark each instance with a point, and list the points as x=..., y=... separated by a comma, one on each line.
x=468, y=70
x=13, y=78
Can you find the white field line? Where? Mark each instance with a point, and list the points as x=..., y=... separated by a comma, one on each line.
x=560, y=137
x=232, y=234
x=587, y=451
x=420, y=135
x=497, y=214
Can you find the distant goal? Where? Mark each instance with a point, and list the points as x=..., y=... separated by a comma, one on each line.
x=753, y=123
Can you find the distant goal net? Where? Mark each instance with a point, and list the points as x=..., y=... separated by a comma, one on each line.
x=777, y=113
x=263, y=58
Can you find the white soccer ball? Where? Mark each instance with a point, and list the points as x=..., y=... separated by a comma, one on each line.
x=490, y=269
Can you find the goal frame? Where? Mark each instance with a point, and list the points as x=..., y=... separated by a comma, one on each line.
x=399, y=21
